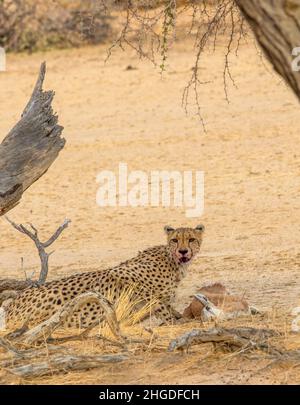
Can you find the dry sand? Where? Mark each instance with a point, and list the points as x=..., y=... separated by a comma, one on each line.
x=250, y=155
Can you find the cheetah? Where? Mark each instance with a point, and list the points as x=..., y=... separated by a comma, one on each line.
x=155, y=274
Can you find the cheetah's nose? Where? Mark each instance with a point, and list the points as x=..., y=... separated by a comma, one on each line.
x=183, y=251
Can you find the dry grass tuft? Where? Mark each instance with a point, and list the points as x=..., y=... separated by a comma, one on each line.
x=147, y=351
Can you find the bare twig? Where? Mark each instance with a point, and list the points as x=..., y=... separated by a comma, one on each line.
x=150, y=29
x=41, y=246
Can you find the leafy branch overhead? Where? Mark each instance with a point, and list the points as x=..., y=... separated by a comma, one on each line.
x=149, y=27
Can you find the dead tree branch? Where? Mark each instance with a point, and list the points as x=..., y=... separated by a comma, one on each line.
x=228, y=339
x=6, y=345
x=52, y=359
x=30, y=148
x=65, y=363
x=18, y=356
x=41, y=246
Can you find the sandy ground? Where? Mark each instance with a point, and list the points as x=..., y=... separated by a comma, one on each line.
x=251, y=159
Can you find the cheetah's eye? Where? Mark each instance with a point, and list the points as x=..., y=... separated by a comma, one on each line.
x=174, y=240
x=192, y=240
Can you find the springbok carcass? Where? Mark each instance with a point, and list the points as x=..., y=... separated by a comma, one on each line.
x=215, y=302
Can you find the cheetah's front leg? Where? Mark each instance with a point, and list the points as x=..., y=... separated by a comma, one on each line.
x=175, y=313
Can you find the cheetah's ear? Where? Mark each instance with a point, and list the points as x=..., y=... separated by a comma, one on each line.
x=168, y=229
x=200, y=228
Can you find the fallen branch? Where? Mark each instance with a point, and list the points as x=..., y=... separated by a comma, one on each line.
x=30, y=148
x=84, y=336
x=9, y=347
x=18, y=332
x=19, y=356
x=228, y=339
x=65, y=363
x=44, y=330
x=41, y=246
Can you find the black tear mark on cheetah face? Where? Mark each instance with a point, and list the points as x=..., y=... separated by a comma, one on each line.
x=184, y=243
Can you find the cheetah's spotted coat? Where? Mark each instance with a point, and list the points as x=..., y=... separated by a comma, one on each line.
x=154, y=273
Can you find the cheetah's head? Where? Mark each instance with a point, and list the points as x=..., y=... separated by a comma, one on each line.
x=184, y=243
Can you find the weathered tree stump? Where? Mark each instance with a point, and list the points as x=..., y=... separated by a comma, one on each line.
x=30, y=148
